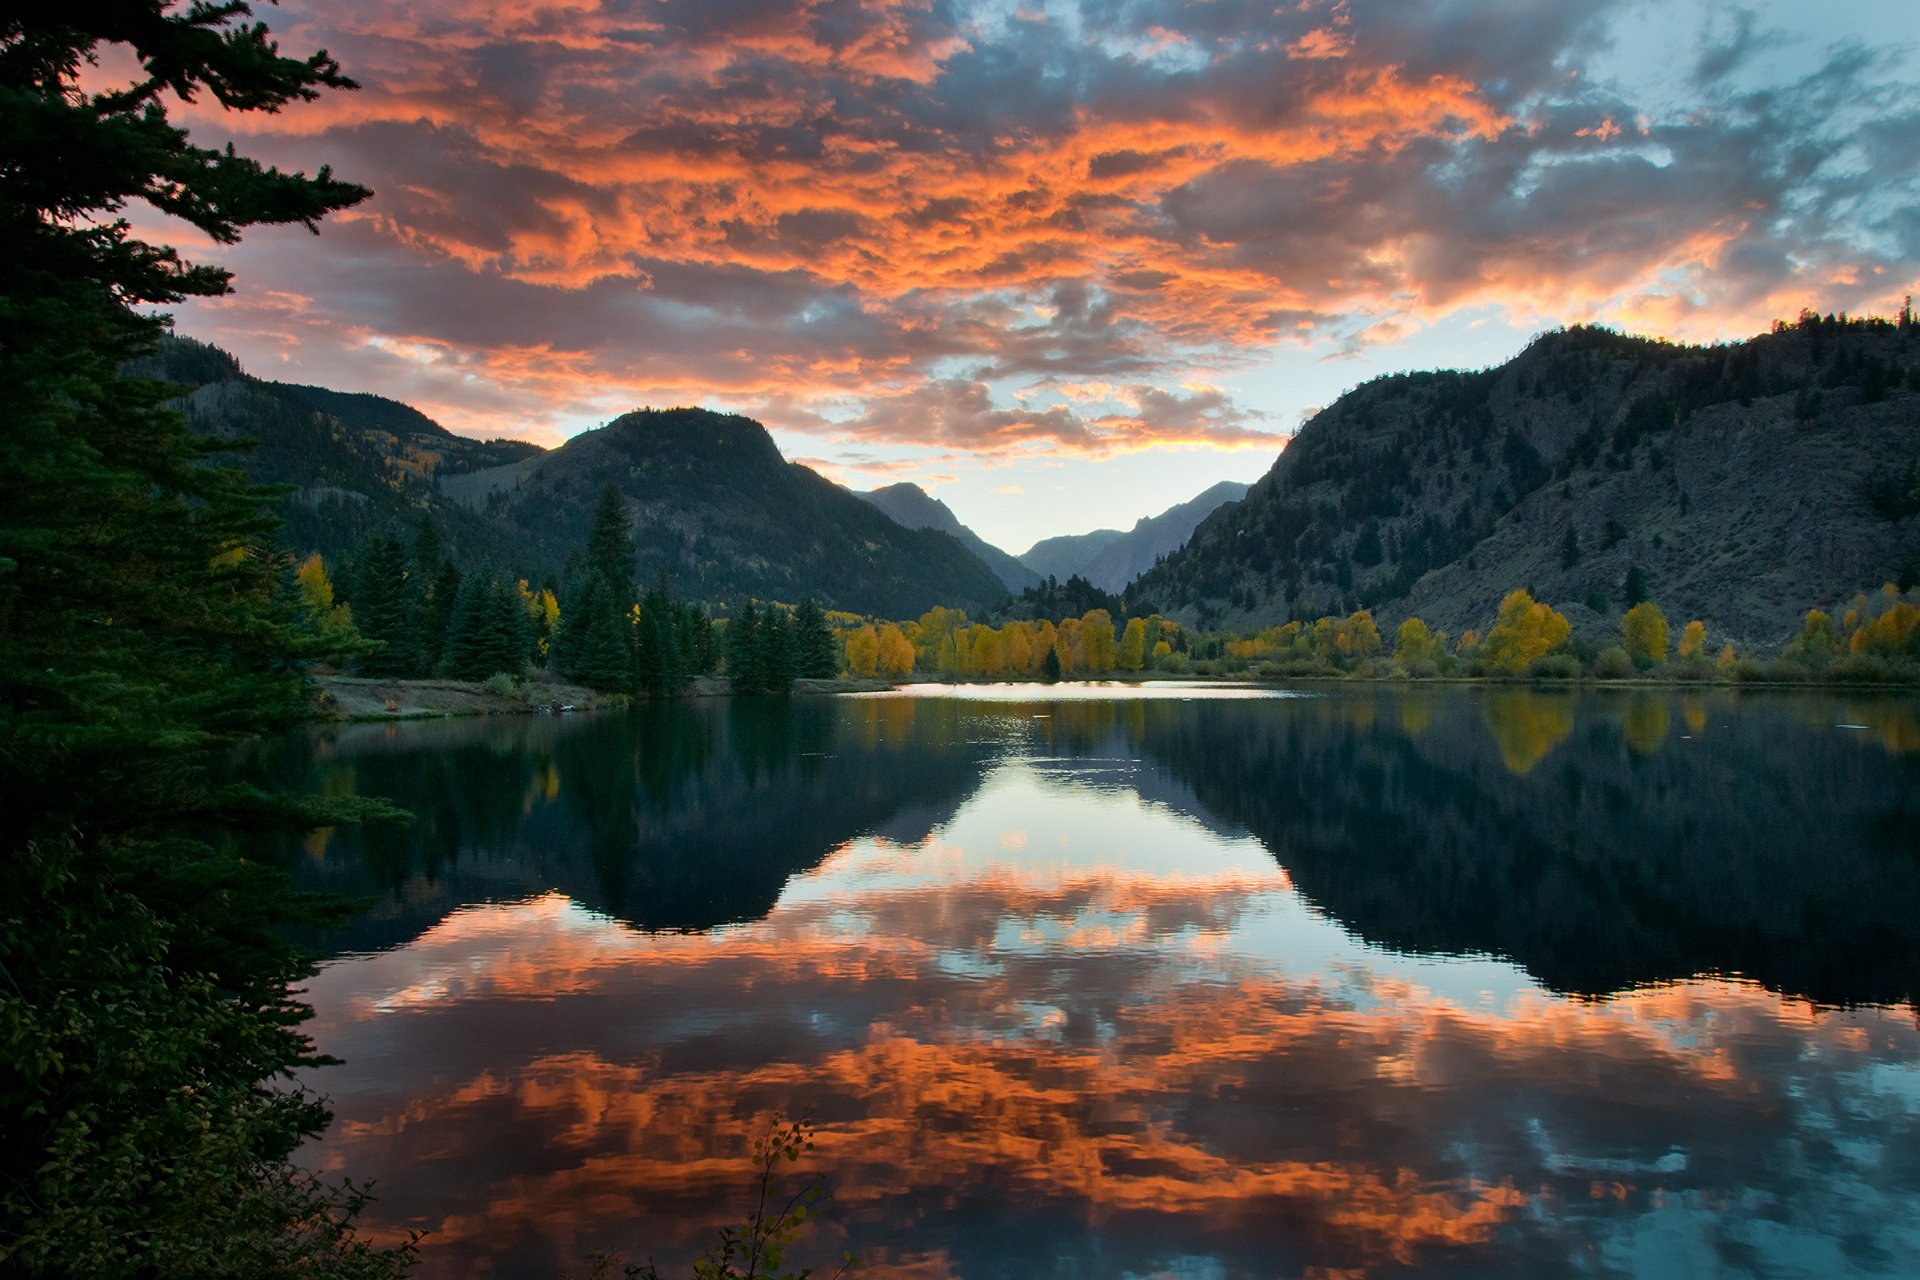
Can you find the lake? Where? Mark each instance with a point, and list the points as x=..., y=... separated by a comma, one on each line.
x=1099, y=982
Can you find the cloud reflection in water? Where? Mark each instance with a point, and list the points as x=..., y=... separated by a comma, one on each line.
x=1073, y=1031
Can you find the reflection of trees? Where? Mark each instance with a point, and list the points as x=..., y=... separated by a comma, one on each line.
x=675, y=816
x=1527, y=725
x=1623, y=857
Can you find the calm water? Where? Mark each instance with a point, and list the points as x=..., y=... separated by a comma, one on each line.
x=1455, y=983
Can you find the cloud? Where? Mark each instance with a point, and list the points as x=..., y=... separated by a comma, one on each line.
x=820, y=211
x=956, y=412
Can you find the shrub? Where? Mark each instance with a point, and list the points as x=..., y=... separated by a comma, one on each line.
x=1555, y=666
x=1786, y=671
x=1863, y=668
x=500, y=684
x=1612, y=663
x=1746, y=671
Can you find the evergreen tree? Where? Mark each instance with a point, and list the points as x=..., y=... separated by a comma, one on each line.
x=610, y=543
x=746, y=652
x=428, y=550
x=383, y=609
x=150, y=1017
x=595, y=643
x=661, y=666
x=436, y=615
x=696, y=640
x=814, y=651
x=1635, y=587
x=1570, y=548
x=490, y=631
x=779, y=652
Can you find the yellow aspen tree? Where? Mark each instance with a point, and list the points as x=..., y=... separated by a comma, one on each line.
x=896, y=652
x=1096, y=629
x=1693, y=639
x=1524, y=632
x=1359, y=637
x=986, y=659
x=863, y=651
x=1019, y=648
x=1643, y=632
x=1132, y=653
x=1070, y=646
x=1045, y=641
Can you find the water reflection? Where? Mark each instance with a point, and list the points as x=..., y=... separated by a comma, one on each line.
x=1109, y=988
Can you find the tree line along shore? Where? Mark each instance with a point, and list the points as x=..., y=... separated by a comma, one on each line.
x=416, y=623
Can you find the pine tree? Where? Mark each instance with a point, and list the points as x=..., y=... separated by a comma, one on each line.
x=746, y=652
x=490, y=631
x=814, y=651
x=781, y=655
x=428, y=549
x=1635, y=587
x=150, y=1019
x=660, y=664
x=436, y=615
x=610, y=544
x=595, y=644
x=383, y=609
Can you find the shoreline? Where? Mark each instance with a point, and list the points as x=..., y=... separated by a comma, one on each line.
x=365, y=699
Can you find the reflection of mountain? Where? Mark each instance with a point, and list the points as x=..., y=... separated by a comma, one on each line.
x=679, y=817
x=1587, y=841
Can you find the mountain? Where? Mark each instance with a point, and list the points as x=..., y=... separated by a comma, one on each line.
x=717, y=508
x=1110, y=559
x=1740, y=484
x=1068, y=554
x=914, y=508
x=714, y=504
x=355, y=464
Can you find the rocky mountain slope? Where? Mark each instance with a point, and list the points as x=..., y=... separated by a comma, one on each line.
x=717, y=508
x=1738, y=484
x=714, y=504
x=914, y=508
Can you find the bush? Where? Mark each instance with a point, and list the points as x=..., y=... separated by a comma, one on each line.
x=1747, y=671
x=1423, y=668
x=1693, y=669
x=499, y=684
x=1786, y=671
x=1555, y=666
x=1863, y=668
x=1612, y=663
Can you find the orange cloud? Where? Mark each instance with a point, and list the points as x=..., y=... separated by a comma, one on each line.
x=1360, y=1129
x=852, y=203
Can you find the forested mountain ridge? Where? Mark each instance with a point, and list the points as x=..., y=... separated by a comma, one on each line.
x=914, y=508
x=357, y=464
x=714, y=504
x=716, y=508
x=1733, y=483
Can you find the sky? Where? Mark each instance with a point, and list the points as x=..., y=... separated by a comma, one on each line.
x=1063, y=264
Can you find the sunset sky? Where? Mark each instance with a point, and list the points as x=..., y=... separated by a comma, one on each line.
x=1063, y=264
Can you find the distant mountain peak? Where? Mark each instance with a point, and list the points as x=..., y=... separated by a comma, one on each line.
x=1110, y=558
x=912, y=507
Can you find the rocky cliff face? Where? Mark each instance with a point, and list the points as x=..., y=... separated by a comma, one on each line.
x=1740, y=484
